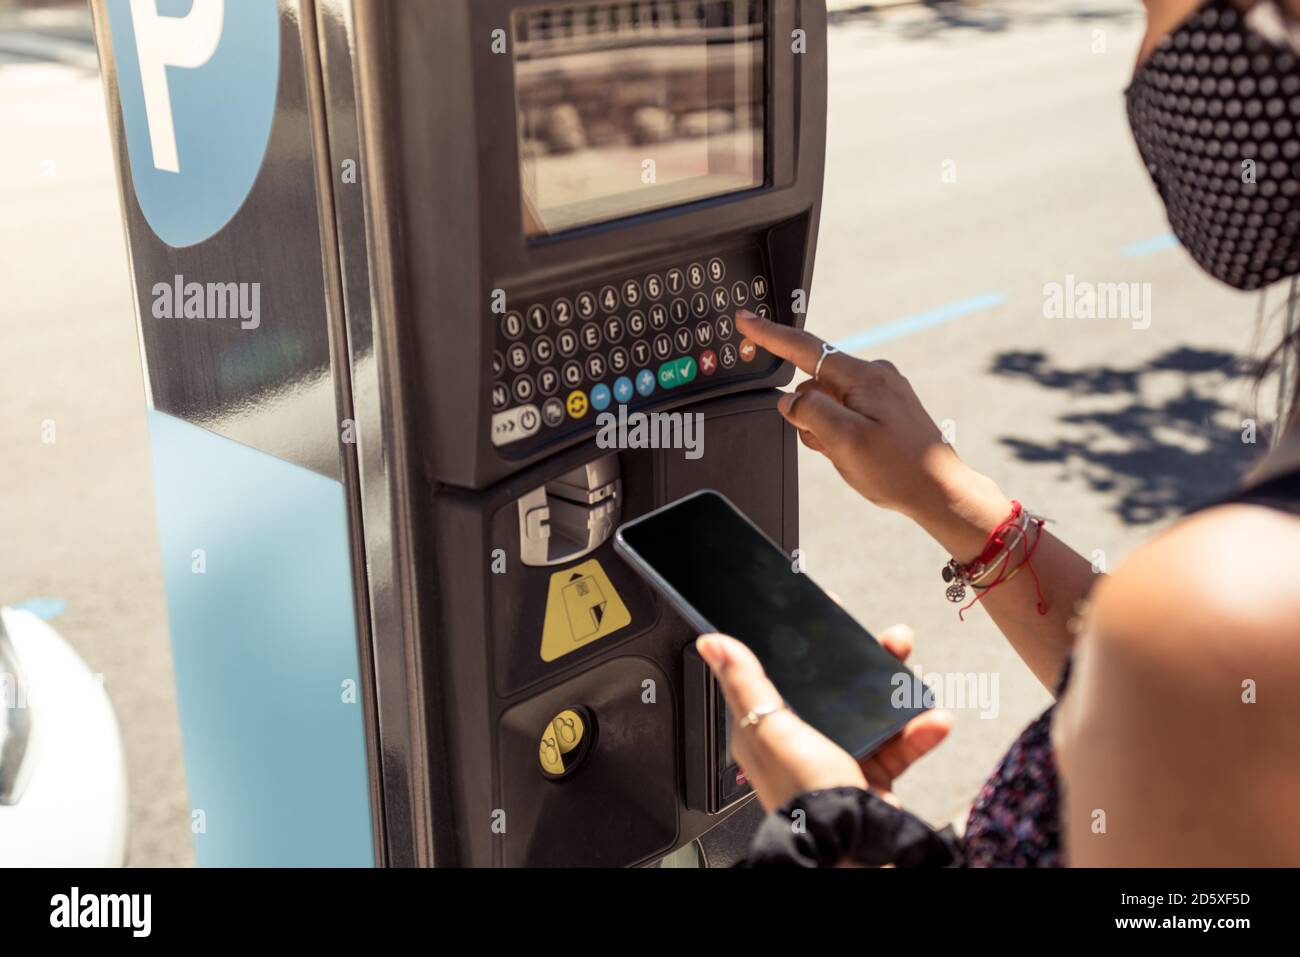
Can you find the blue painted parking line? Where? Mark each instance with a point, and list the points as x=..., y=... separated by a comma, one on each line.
x=1146, y=247
x=921, y=320
x=907, y=325
x=46, y=609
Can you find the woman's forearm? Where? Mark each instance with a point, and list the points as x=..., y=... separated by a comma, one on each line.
x=960, y=520
x=867, y=419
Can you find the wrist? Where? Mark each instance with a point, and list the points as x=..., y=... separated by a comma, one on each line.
x=964, y=510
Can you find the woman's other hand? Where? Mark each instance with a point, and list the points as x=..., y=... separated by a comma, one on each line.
x=783, y=756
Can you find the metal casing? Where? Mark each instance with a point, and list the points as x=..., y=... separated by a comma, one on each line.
x=449, y=137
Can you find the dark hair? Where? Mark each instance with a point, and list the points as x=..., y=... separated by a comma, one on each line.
x=1283, y=358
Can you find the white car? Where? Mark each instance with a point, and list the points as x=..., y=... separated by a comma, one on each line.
x=62, y=768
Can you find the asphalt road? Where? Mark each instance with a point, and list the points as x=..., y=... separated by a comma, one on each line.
x=974, y=157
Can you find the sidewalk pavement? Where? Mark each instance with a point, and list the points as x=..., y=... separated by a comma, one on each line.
x=866, y=6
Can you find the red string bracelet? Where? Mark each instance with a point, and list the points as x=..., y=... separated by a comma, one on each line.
x=995, y=558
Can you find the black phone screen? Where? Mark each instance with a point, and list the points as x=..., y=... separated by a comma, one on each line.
x=828, y=668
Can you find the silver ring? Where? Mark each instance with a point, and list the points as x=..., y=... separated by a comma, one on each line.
x=756, y=715
x=827, y=350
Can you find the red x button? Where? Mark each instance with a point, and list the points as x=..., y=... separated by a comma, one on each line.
x=708, y=362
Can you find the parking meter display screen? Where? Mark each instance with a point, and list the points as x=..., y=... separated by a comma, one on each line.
x=629, y=107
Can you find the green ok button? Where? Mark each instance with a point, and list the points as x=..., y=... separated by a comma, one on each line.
x=677, y=372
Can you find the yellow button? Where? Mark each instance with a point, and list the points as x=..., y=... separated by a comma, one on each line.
x=561, y=748
x=577, y=404
x=548, y=753
x=569, y=730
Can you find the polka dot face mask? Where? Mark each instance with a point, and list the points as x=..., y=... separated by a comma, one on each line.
x=1215, y=111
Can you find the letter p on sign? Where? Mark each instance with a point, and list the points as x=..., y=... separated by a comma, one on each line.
x=186, y=42
x=198, y=82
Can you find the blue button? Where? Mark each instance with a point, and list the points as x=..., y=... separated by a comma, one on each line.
x=645, y=382
x=600, y=397
x=623, y=389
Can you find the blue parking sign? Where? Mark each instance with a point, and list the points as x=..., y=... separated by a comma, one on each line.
x=198, y=82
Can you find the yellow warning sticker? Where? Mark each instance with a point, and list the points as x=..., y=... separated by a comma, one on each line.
x=581, y=607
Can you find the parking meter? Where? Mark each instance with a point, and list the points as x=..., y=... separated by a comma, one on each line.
x=432, y=296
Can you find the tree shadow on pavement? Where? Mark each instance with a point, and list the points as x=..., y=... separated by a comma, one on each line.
x=1157, y=457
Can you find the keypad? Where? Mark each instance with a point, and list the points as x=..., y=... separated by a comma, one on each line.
x=563, y=357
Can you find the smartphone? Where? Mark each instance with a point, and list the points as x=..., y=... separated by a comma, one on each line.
x=723, y=574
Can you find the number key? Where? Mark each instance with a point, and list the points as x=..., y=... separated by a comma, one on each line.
x=561, y=312
x=538, y=318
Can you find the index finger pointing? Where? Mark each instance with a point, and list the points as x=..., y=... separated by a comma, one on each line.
x=802, y=348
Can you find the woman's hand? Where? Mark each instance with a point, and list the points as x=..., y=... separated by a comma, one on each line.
x=783, y=756
x=866, y=419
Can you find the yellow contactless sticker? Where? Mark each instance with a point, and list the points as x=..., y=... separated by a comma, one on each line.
x=581, y=607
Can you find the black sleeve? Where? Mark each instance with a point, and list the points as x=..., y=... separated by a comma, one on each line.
x=825, y=828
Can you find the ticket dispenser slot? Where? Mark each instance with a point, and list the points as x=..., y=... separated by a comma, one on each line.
x=571, y=516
